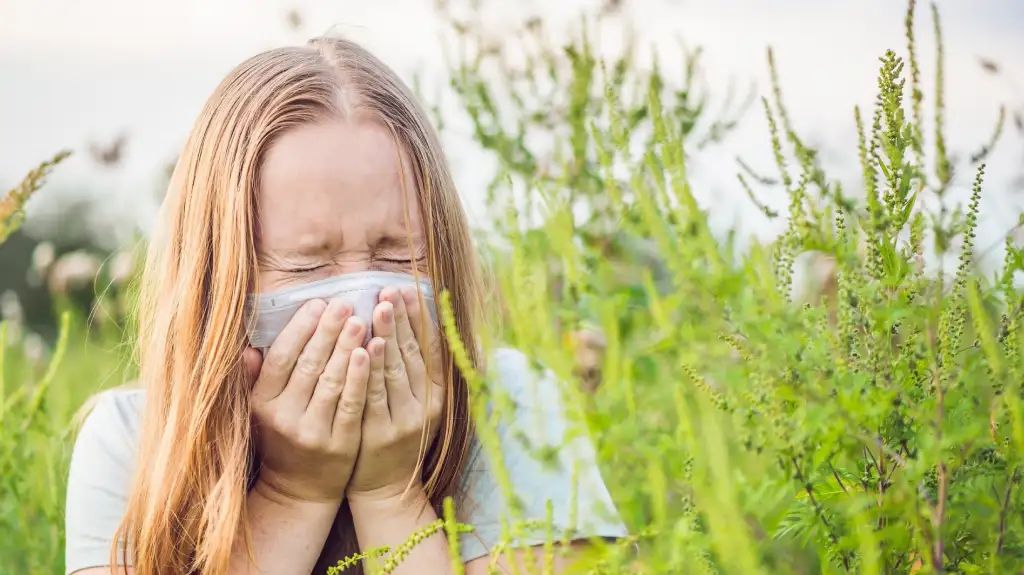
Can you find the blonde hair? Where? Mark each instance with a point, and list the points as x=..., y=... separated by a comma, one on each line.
x=196, y=458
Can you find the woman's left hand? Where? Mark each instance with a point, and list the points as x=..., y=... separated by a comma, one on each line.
x=405, y=390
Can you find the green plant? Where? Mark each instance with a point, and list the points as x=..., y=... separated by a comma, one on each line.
x=879, y=431
x=12, y=206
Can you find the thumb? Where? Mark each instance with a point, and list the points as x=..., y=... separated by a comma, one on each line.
x=252, y=361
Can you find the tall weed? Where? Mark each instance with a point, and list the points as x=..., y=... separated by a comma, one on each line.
x=876, y=428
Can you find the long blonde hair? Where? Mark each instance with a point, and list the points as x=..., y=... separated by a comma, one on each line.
x=196, y=458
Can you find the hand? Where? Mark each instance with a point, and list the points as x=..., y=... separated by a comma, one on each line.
x=308, y=403
x=589, y=347
x=405, y=390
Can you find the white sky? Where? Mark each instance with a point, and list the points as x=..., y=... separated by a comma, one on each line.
x=74, y=70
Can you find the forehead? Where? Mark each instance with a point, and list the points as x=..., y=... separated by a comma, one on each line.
x=336, y=185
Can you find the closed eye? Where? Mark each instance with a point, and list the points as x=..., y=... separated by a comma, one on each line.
x=400, y=263
x=304, y=270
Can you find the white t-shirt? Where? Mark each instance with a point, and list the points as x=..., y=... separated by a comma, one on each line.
x=104, y=459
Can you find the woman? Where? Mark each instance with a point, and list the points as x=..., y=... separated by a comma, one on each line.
x=312, y=178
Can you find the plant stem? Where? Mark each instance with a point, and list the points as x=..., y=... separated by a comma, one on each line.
x=940, y=507
x=1004, y=508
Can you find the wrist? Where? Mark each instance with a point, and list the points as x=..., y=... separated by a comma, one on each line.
x=389, y=499
x=274, y=493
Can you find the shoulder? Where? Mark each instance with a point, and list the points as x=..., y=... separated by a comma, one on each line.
x=530, y=406
x=110, y=428
x=525, y=381
x=521, y=388
x=102, y=465
x=543, y=457
x=115, y=409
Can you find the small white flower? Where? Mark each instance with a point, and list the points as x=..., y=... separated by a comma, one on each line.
x=42, y=258
x=10, y=307
x=73, y=270
x=34, y=349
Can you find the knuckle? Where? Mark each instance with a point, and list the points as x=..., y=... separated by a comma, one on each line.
x=283, y=425
x=330, y=383
x=410, y=348
x=277, y=361
x=307, y=365
x=395, y=370
x=310, y=441
x=350, y=406
x=377, y=394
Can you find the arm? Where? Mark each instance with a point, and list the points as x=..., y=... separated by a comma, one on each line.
x=391, y=521
x=287, y=534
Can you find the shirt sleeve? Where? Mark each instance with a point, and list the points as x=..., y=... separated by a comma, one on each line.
x=98, y=481
x=547, y=458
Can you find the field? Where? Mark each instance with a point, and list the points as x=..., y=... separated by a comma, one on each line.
x=869, y=424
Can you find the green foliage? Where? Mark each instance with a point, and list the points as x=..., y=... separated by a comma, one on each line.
x=12, y=206
x=875, y=429
x=878, y=430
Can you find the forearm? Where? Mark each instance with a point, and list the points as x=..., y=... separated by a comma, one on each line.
x=391, y=522
x=287, y=535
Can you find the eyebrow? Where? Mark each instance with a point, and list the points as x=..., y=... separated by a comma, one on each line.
x=399, y=239
x=389, y=242
x=312, y=249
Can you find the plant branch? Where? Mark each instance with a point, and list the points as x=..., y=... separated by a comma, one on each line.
x=1004, y=509
x=819, y=510
x=838, y=480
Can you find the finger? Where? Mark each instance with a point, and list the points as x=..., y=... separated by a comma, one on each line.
x=320, y=412
x=324, y=403
x=426, y=332
x=376, y=388
x=396, y=376
x=284, y=352
x=407, y=344
x=315, y=354
x=348, y=418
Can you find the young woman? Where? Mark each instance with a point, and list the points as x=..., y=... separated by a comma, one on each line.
x=286, y=421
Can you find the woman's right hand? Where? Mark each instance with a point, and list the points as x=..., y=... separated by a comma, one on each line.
x=308, y=401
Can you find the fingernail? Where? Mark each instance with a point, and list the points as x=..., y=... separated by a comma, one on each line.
x=358, y=358
x=387, y=294
x=388, y=313
x=378, y=347
x=353, y=326
x=409, y=295
x=342, y=310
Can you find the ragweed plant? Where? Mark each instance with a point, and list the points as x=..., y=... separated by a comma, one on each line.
x=12, y=205
x=740, y=431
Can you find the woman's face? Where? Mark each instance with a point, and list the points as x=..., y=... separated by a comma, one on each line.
x=330, y=198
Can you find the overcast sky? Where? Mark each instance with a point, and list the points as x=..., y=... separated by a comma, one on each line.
x=73, y=71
